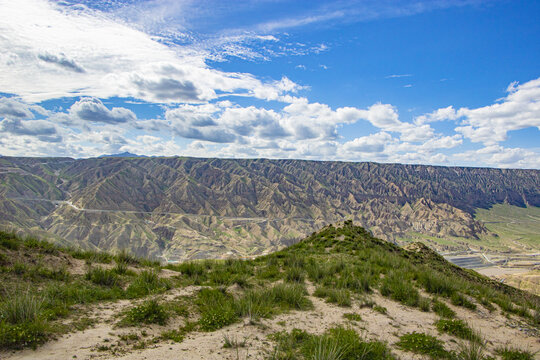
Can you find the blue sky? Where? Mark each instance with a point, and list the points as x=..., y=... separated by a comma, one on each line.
x=433, y=82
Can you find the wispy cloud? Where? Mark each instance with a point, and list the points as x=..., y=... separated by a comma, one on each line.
x=394, y=76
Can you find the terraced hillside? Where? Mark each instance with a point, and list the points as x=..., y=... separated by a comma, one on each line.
x=181, y=208
x=339, y=291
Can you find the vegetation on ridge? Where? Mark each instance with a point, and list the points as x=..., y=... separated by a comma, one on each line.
x=343, y=265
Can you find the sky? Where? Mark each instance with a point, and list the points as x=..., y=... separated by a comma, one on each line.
x=440, y=82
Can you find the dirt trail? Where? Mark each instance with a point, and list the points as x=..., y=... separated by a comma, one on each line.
x=496, y=329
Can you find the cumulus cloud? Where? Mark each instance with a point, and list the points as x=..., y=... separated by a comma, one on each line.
x=12, y=108
x=375, y=143
x=42, y=129
x=490, y=124
x=92, y=109
x=447, y=113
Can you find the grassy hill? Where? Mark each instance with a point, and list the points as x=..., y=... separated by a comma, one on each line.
x=338, y=294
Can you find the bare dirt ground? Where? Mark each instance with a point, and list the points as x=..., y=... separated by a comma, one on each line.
x=95, y=343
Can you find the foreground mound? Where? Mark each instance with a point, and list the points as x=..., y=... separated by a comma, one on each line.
x=339, y=294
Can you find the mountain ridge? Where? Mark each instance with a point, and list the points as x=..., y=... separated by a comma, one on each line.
x=272, y=202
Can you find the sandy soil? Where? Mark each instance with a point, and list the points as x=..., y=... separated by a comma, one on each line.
x=495, y=328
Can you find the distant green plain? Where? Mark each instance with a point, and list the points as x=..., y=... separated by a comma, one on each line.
x=513, y=224
x=516, y=228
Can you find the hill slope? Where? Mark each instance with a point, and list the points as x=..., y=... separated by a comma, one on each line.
x=338, y=290
x=182, y=208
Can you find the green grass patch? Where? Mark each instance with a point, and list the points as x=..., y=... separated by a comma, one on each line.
x=424, y=344
x=341, y=297
x=457, y=328
x=512, y=353
x=146, y=283
x=352, y=316
x=397, y=287
x=337, y=344
x=442, y=309
x=149, y=312
x=103, y=277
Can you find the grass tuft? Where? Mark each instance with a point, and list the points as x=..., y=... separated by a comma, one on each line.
x=424, y=344
x=458, y=328
x=149, y=312
x=101, y=276
x=512, y=353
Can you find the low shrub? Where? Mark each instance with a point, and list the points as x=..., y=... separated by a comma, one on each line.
x=9, y=241
x=149, y=312
x=217, y=309
x=23, y=334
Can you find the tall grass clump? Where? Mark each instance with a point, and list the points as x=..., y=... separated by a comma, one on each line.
x=92, y=256
x=397, y=287
x=123, y=256
x=336, y=343
x=101, y=276
x=147, y=282
x=21, y=323
x=436, y=283
x=325, y=348
x=21, y=308
x=294, y=275
x=290, y=297
x=512, y=353
x=472, y=350
x=341, y=297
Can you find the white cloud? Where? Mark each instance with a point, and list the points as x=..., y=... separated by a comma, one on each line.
x=13, y=108
x=92, y=109
x=75, y=51
x=375, y=143
x=447, y=113
x=502, y=157
x=520, y=109
x=394, y=76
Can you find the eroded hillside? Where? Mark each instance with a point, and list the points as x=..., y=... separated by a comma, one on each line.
x=182, y=208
